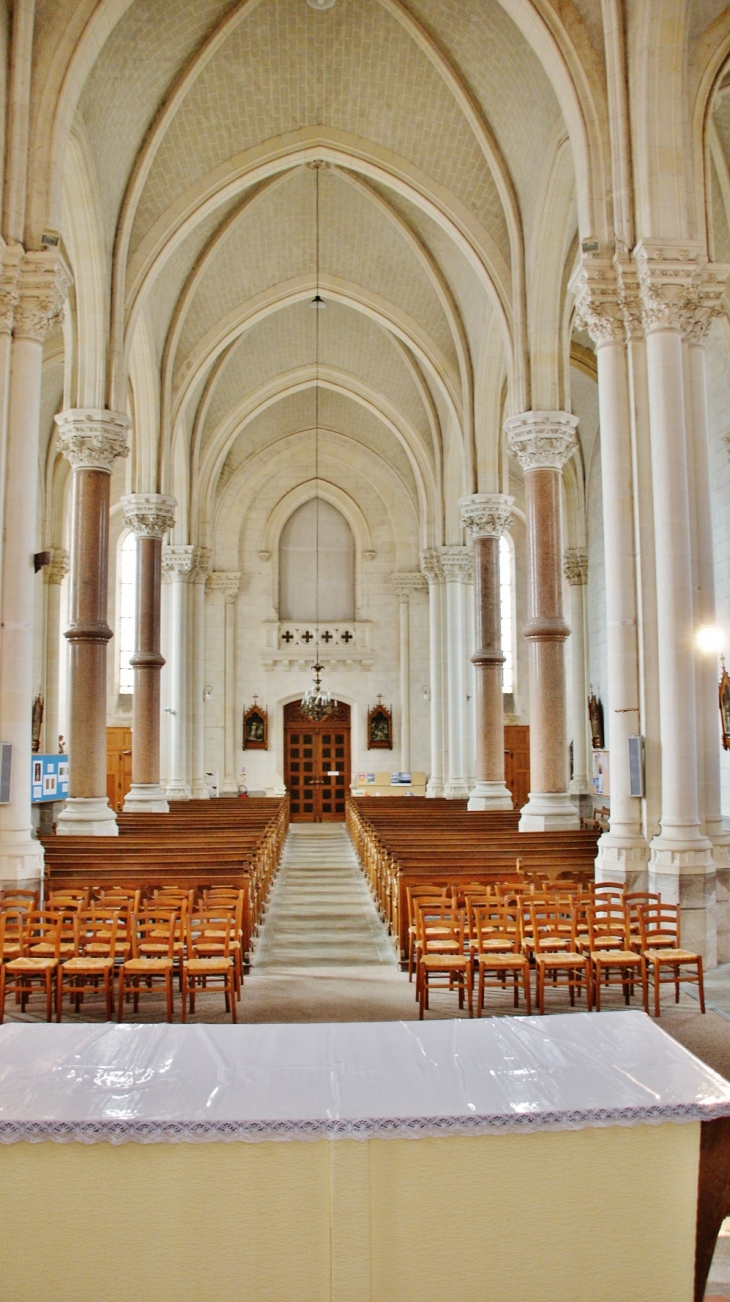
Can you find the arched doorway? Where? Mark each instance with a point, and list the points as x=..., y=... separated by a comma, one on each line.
x=317, y=764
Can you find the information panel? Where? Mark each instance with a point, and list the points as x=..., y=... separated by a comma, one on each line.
x=48, y=778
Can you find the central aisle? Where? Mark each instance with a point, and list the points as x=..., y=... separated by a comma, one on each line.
x=321, y=913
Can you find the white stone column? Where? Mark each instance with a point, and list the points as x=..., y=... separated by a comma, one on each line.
x=576, y=572
x=431, y=568
x=622, y=851
x=178, y=562
x=543, y=441
x=200, y=789
x=405, y=585
x=456, y=563
x=486, y=516
x=53, y=576
x=91, y=439
x=228, y=582
x=42, y=284
x=150, y=516
x=681, y=864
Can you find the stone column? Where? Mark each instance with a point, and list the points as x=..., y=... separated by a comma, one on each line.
x=622, y=850
x=486, y=516
x=431, y=568
x=53, y=576
x=543, y=441
x=178, y=563
x=201, y=570
x=42, y=285
x=575, y=564
x=456, y=563
x=150, y=516
x=91, y=439
x=405, y=585
x=681, y=864
x=227, y=583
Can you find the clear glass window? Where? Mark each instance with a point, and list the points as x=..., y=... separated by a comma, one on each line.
x=505, y=593
x=127, y=601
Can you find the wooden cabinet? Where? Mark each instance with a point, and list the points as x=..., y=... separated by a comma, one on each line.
x=118, y=765
x=517, y=762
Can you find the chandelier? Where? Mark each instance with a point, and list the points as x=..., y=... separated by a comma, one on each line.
x=317, y=703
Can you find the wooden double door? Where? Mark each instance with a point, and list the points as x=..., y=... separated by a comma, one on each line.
x=317, y=764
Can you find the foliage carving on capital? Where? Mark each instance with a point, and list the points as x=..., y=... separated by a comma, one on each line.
x=486, y=515
x=9, y=291
x=92, y=439
x=668, y=274
x=575, y=564
x=43, y=283
x=597, y=304
x=542, y=440
x=59, y=566
x=178, y=561
x=431, y=565
x=409, y=582
x=705, y=302
x=149, y=515
x=225, y=581
x=201, y=564
x=457, y=564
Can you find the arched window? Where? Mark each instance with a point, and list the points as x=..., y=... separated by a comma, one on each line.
x=505, y=595
x=298, y=565
x=127, y=600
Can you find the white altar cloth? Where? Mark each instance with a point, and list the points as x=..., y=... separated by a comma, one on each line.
x=161, y=1083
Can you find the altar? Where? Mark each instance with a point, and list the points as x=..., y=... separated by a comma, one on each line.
x=509, y=1159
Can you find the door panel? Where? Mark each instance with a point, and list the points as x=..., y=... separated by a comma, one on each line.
x=517, y=763
x=317, y=765
x=118, y=765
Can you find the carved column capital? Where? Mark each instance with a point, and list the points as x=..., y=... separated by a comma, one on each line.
x=704, y=302
x=9, y=291
x=225, y=581
x=59, y=566
x=575, y=566
x=597, y=303
x=409, y=582
x=43, y=283
x=201, y=564
x=149, y=515
x=178, y=562
x=457, y=564
x=542, y=440
x=431, y=565
x=92, y=439
x=486, y=515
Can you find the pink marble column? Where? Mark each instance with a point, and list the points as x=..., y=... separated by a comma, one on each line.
x=543, y=441
x=92, y=440
x=150, y=516
x=486, y=516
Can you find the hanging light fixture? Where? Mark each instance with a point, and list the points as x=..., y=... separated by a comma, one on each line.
x=317, y=703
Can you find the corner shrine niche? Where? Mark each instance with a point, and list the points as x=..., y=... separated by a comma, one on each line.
x=380, y=727
x=255, y=727
x=316, y=528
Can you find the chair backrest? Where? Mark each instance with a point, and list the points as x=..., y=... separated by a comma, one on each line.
x=19, y=900
x=414, y=893
x=154, y=925
x=42, y=927
x=11, y=929
x=635, y=901
x=497, y=924
x=97, y=929
x=449, y=931
x=608, y=924
x=204, y=928
x=659, y=924
x=609, y=888
x=552, y=927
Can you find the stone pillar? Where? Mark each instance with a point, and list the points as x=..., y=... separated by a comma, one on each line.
x=91, y=439
x=486, y=516
x=406, y=584
x=201, y=570
x=681, y=864
x=150, y=516
x=575, y=564
x=42, y=284
x=456, y=563
x=227, y=583
x=178, y=563
x=53, y=576
x=543, y=441
x=431, y=568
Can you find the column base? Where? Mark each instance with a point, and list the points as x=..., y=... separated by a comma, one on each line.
x=177, y=789
x=721, y=859
x=146, y=798
x=87, y=816
x=548, y=811
x=21, y=861
x=457, y=790
x=200, y=791
x=683, y=872
x=435, y=789
x=622, y=859
x=490, y=795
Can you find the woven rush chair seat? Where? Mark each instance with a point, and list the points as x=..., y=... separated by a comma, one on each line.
x=18, y=975
x=200, y=967
x=85, y=970
x=139, y=974
x=443, y=955
x=663, y=921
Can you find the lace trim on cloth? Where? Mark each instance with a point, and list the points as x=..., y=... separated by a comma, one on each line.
x=253, y=1132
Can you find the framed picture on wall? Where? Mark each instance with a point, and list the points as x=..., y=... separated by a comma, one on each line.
x=380, y=727
x=724, y=695
x=255, y=728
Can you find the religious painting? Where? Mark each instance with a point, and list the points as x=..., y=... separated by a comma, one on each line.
x=724, y=695
x=595, y=715
x=380, y=727
x=255, y=727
